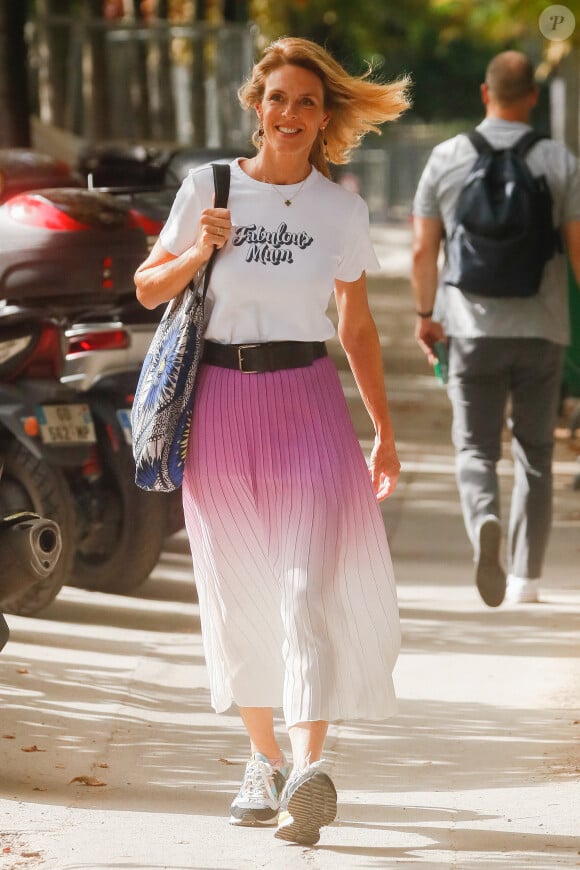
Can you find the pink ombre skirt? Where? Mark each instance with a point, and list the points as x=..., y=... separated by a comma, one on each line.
x=295, y=582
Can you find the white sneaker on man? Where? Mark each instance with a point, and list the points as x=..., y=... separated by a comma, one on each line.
x=522, y=591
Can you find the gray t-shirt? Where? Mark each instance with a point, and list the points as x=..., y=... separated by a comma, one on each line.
x=544, y=315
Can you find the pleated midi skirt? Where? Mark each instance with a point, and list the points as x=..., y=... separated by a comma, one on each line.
x=296, y=590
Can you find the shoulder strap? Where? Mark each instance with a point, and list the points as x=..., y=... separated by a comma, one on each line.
x=221, y=182
x=522, y=146
x=527, y=141
x=479, y=142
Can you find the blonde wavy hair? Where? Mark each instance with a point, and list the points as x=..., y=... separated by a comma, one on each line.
x=357, y=105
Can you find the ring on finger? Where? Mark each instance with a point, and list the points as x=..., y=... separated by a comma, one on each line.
x=220, y=231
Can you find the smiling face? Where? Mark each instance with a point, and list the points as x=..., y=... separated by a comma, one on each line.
x=292, y=110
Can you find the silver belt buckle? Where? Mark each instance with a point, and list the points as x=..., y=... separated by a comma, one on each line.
x=241, y=349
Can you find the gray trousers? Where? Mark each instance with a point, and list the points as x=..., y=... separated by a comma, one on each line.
x=485, y=373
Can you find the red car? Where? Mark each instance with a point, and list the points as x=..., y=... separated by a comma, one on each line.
x=22, y=169
x=68, y=248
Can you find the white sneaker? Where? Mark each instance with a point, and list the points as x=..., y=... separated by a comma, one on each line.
x=522, y=591
x=258, y=800
x=308, y=803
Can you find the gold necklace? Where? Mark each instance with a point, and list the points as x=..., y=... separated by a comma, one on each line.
x=287, y=200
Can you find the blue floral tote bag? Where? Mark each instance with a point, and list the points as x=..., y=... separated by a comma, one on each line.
x=161, y=412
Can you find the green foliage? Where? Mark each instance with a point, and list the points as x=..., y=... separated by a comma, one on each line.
x=444, y=44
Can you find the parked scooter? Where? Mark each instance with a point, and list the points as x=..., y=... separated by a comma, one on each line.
x=122, y=530
x=73, y=253
x=44, y=430
x=30, y=547
x=67, y=453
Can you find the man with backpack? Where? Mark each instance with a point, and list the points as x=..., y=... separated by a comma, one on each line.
x=506, y=202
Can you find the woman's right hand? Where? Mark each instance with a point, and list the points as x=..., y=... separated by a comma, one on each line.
x=163, y=275
x=215, y=227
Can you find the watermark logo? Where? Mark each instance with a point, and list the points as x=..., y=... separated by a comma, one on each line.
x=557, y=23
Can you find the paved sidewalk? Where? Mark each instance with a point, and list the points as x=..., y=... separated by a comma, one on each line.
x=480, y=769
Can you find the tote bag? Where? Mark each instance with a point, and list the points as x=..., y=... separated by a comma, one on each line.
x=162, y=407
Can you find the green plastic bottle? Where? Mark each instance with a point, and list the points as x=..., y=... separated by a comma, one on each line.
x=441, y=366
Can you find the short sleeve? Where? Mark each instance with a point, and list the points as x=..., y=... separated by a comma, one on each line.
x=181, y=227
x=359, y=255
x=426, y=202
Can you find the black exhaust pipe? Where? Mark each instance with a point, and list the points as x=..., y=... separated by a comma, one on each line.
x=30, y=547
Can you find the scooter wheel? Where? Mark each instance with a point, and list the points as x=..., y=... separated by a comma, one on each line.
x=31, y=484
x=131, y=529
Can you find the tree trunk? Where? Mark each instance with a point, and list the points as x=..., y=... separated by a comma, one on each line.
x=161, y=96
x=53, y=49
x=96, y=123
x=236, y=10
x=198, y=73
x=14, y=125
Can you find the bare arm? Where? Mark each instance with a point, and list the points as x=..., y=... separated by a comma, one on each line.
x=571, y=231
x=162, y=275
x=427, y=236
x=359, y=337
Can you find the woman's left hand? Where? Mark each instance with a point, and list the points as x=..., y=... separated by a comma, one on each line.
x=384, y=467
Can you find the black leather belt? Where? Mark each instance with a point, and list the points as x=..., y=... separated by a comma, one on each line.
x=270, y=356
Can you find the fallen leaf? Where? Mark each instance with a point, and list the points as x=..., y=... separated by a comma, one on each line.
x=61, y=765
x=102, y=764
x=227, y=761
x=9, y=736
x=38, y=788
x=33, y=748
x=88, y=780
x=30, y=854
x=22, y=671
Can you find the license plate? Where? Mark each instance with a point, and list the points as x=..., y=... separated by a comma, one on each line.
x=124, y=418
x=66, y=424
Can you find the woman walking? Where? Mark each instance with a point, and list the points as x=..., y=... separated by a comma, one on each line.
x=296, y=589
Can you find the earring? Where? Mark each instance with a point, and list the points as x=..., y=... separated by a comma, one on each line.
x=260, y=135
x=324, y=144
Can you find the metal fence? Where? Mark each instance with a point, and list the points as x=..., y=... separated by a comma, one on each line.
x=162, y=82
x=386, y=171
x=386, y=178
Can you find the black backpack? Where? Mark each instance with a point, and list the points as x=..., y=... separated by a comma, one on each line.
x=503, y=231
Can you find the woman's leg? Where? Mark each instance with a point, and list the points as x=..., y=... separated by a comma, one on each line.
x=259, y=722
x=307, y=740
x=258, y=799
x=309, y=800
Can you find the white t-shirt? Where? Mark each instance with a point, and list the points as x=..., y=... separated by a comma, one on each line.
x=274, y=278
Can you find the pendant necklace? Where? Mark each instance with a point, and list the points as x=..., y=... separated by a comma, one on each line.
x=287, y=200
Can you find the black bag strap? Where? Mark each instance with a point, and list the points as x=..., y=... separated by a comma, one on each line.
x=479, y=142
x=521, y=147
x=221, y=183
x=527, y=141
